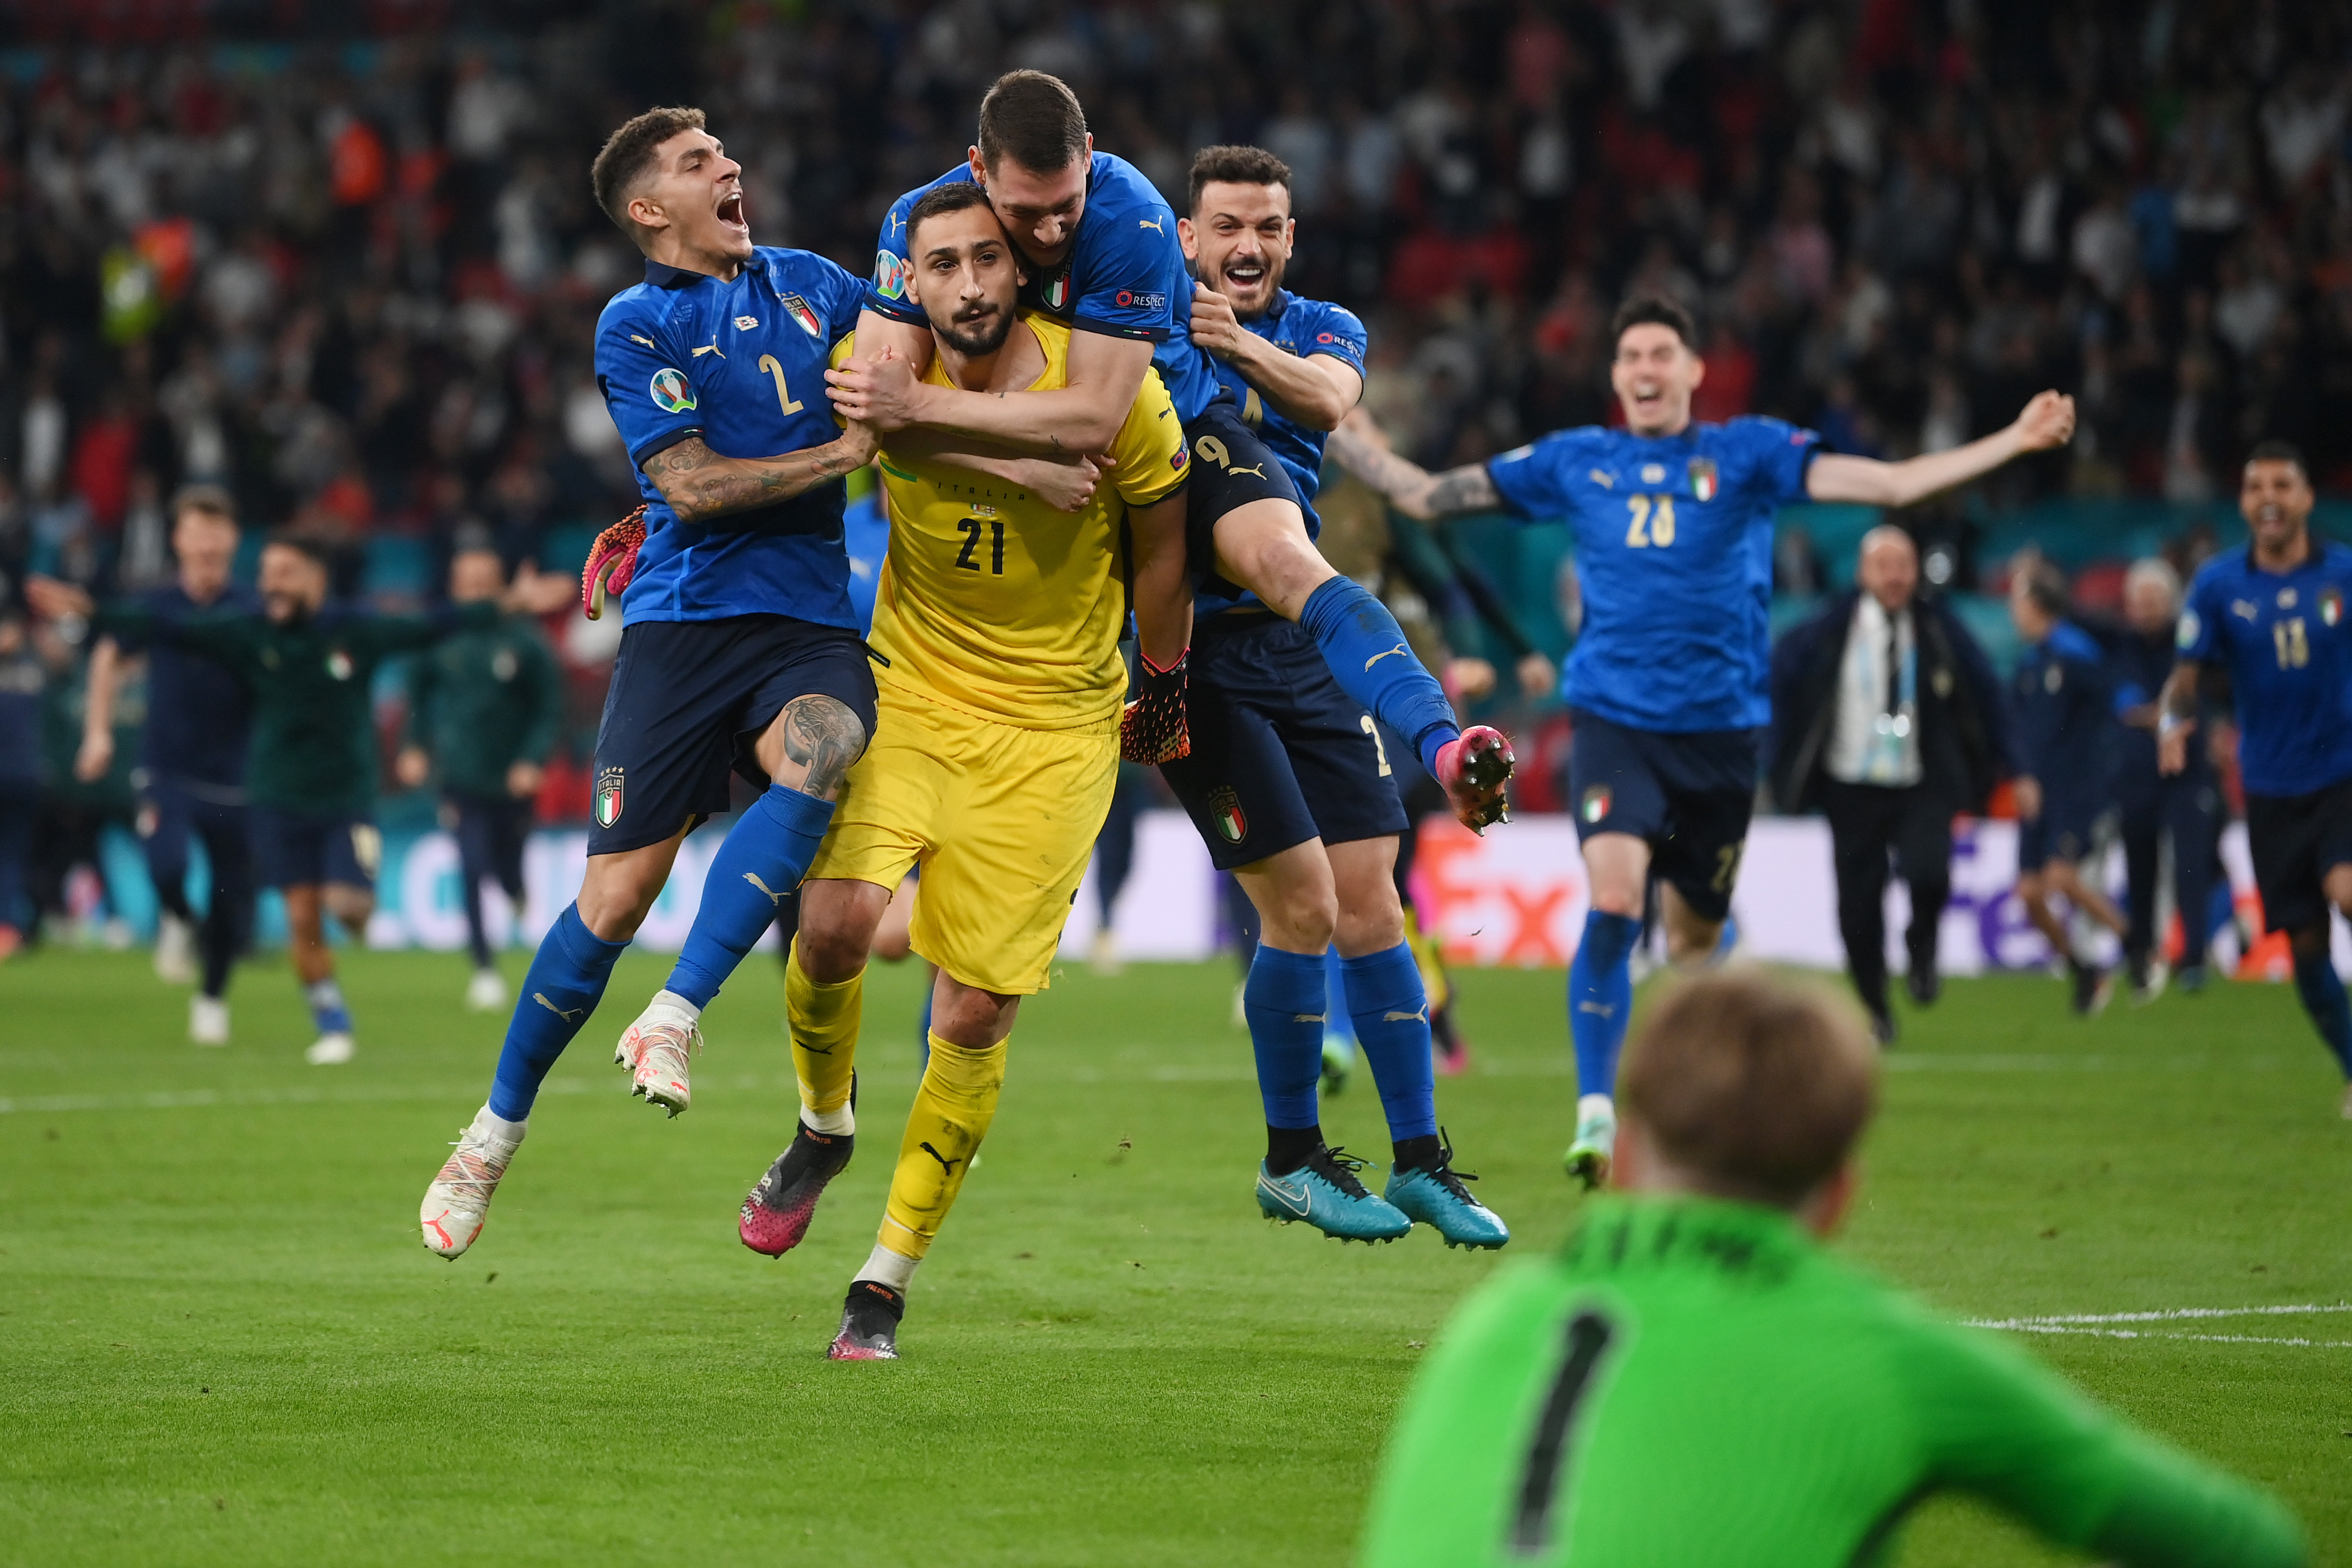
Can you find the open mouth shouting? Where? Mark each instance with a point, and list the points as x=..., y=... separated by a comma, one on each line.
x=729, y=210
x=1243, y=275
x=1647, y=397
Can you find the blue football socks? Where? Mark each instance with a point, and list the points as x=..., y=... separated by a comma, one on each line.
x=2322, y=991
x=1285, y=999
x=326, y=1009
x=1367, y=652
x=1392, y=1012
x=1599, y=996
x=566, y=980
x=1337, y=1019
x=764, y=859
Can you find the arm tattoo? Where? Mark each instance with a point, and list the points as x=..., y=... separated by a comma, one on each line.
x=740, y=483
x=825, y=737
x=1466, y=489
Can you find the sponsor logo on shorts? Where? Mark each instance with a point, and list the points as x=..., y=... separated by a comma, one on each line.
x=367, y=848
x=804, y=317
x=671, y=391
x=1703, y=477
x=1226, y=811
x=1595, y=804
x=609, y=781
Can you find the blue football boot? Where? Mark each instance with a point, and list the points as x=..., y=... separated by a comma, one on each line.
x=1434, y=1196
x=1325, y=1193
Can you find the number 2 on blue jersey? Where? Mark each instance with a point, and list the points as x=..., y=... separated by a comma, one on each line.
x=1653, y=522
x=768, y=363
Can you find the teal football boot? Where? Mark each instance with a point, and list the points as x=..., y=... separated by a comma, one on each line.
x=1434, y=1196
x=1325, y=1193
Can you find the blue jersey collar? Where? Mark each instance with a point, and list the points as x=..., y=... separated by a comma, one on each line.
x=661, y=275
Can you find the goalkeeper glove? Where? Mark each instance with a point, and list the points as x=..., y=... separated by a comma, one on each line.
x=1152, y=730
x=611, y=562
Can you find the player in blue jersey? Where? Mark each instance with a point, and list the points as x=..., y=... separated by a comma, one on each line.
x=2273, y=616
x=740, y=649
x=2064, y=699
x=191, y=773
x=1668, y=680
x=1288, y=779
x=1102, y=254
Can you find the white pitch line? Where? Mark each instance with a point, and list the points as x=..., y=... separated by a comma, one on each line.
x=2166, y=1314
x=2208, y=1338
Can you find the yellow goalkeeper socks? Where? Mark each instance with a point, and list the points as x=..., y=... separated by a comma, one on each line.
x=1434, y=982
x=952, y=1109
x=823, y=1024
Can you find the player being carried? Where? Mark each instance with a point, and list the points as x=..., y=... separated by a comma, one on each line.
x=739, y=648
x=1100, y=250
x=1288, y=780
x=2273, y=616
x=1668, y=683
x=996, y=633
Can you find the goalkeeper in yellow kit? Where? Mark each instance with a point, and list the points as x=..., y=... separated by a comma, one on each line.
x=996, y=748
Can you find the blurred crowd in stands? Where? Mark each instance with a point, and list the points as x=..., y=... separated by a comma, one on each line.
x=341, y=259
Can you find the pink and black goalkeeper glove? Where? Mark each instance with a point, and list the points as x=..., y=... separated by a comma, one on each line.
x=1152, y=730
x=611, y=562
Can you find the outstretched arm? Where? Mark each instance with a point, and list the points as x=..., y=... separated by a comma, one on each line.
x=1084, y=414
x=701, y=487
x=1361, y=446
x=2048, y=422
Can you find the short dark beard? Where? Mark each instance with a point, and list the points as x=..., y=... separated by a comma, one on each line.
x=976, y=347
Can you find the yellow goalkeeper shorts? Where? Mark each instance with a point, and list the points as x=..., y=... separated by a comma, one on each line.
x=1002, y=820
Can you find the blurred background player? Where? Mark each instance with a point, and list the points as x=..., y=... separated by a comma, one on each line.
x=1667, y=683
x=21, y=679
x=2065, y=747
x=1288, y=780
x=483, y=708
x=2273, y=616
x=739, y=647
x=311, y=770
x=996, y=644
x=1887, y=716
x=191, y=758
x=2180, y=811
x=1694, y=1380
x=1120, y=281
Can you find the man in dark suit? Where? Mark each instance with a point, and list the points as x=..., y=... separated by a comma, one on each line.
x=1886, y=719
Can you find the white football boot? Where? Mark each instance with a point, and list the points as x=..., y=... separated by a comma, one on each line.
x=175, y=951
x=486, y=992
x=657, y=1050
x=208, y=1020
x=459, y=1199
x=331, y=1049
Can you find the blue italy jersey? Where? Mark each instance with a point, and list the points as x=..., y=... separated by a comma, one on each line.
x=1673, y=551
x=1125, y=277
x=1300, y=327
x=2065, y=694
x=741, y=365
x=2282, y=636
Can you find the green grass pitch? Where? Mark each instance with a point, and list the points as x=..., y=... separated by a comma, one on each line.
x=224, y=1343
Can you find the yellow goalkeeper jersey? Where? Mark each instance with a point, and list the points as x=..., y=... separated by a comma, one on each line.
x=994, y=603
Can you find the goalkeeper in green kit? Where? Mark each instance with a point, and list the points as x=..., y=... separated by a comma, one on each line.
x=1694, y=1382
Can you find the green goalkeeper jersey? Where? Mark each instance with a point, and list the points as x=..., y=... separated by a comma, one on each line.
x=1693, y=1383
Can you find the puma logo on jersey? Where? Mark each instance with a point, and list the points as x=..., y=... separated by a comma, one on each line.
x=1421, y=1017
x=1605, y=480
x=1376, y=658
x=1599, y=1010
x=709, y=349
x=773, y=896
x=567, y=1015
x=648, y=342
x=1151, y=223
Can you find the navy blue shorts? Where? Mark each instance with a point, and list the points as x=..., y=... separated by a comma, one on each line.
x=2063, y=832
x=1231, y=468
x=309, y=849
x=1688, y=797
x=172, y=811
x=2295, y=840
x=1280, y=754
x=687, y=702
